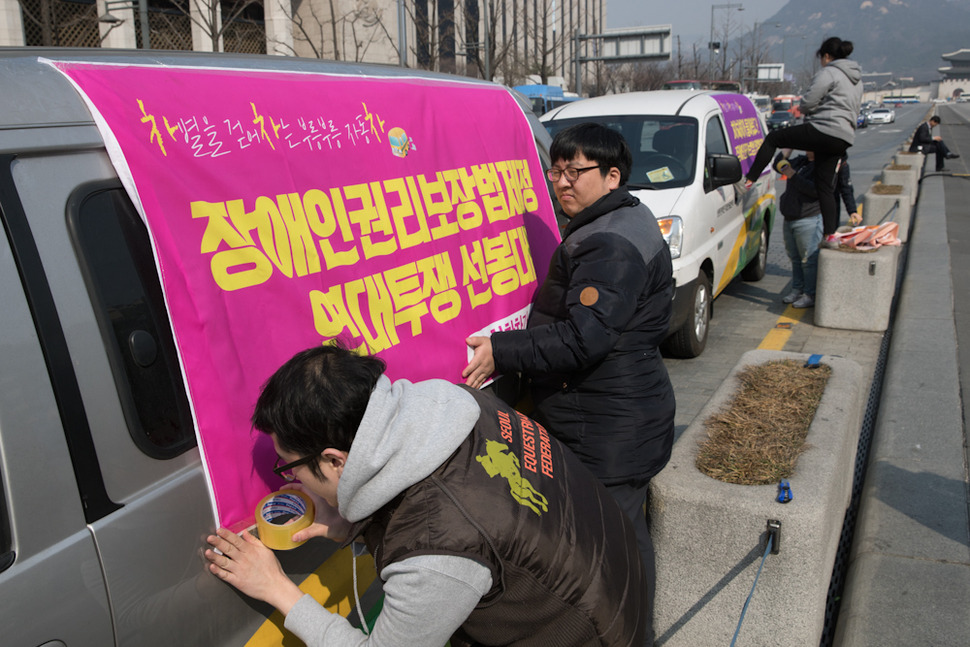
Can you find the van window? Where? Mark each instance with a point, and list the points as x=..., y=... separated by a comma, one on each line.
x=664, y=148
x=716, y=143
x=116, y=258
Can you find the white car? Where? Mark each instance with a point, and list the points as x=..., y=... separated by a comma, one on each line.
x=882, y=116
x=686, y=146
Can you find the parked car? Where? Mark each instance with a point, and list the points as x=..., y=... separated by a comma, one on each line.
x=862, y=120
x=882, y=116
x=686, y=147
x=104, y=506
x=780, y=119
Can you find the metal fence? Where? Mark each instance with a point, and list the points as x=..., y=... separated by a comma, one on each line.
x=74, y=23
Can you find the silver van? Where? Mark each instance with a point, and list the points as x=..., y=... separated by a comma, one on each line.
x=104, y=507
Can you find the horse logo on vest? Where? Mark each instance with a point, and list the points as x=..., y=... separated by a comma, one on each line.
x=497, y=462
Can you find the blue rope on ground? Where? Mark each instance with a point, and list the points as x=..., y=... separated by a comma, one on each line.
x=751, y=593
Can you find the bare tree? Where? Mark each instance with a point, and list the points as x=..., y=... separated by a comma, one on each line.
x=330, y=30
x=213, y=17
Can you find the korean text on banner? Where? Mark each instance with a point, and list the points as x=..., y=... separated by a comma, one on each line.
x=743, y=127
x=399, y=215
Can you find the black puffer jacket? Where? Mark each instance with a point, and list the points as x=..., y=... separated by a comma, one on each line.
x=591, y=347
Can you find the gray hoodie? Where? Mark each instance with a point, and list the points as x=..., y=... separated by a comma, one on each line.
x=833, y=101
x=407, y=432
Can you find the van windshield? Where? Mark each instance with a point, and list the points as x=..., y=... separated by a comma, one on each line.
x=664, y=148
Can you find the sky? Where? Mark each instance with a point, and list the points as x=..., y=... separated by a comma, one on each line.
x=690, y=19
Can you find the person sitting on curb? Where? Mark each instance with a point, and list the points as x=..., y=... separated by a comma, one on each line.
x=483, y=527
x=803, y=226
x=924, y=141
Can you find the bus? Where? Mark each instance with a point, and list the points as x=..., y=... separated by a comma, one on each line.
x=787, y=103
x=546, y=97
x=693, y=84
x=896, y=99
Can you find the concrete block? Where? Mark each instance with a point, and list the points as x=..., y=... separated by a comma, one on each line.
x=885, y=203
x=905, y=158
x=855, y=289
x=710, y=536
x=904, y=175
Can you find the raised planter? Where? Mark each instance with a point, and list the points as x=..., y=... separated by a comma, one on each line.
x=905, y=158
x=855, y=288
x=709, y=536
x=904, y=175
x=884, y=202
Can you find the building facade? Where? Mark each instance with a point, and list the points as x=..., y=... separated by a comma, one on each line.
x=505, y=40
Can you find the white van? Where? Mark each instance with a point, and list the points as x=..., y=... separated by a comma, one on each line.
x=689, y=148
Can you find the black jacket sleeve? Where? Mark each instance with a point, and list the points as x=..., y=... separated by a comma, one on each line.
x=606, y=276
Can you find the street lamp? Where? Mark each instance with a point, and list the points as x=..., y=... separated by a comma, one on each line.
x=142, y=6
x=711, y=44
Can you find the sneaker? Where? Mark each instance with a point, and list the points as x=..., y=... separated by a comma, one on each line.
x=791, y=297
x=804, y=301
x=952, y=156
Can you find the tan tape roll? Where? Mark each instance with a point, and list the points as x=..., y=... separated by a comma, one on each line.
x=280, y=514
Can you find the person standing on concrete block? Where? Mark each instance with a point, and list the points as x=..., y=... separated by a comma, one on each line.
x=924, y=141
x=803, y=227
x=831, y=107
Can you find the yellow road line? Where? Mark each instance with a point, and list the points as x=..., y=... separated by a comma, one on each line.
x=778, y=336
x=331, y=585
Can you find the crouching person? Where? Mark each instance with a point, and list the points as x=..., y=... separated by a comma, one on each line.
x=483, y=528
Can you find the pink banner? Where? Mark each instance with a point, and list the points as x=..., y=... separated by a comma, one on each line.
x=288, y=209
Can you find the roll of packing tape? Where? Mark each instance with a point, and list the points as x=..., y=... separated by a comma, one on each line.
x=281, y=514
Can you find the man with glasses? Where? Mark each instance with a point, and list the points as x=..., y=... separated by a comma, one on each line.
x=464, y=503
x=591, y=347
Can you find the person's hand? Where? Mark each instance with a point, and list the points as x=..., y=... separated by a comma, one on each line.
x=855, y=218
x=482, y=365
x=327, y=522
x=252, y=568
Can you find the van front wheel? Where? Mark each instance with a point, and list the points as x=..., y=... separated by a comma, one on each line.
x=756, y=267
x=690, y=340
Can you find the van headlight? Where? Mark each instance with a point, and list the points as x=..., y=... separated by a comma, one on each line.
x=673, y=230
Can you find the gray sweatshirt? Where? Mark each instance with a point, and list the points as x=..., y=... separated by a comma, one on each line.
x=834, y=99
x=407, y=432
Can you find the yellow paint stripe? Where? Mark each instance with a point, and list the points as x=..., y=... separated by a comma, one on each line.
x=336, y=596
x=778, y=336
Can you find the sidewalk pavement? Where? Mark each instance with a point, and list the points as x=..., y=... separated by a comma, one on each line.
x=908, y=581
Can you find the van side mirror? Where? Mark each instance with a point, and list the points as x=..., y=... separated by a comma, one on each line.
x=722, y=170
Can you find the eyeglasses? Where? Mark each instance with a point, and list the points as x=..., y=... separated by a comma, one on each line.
x=571, y=172
x=286, y=470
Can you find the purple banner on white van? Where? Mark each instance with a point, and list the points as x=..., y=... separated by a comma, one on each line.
x=286, y=210
x=743, y=126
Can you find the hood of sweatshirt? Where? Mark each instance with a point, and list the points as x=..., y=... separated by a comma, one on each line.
x=851, y=69
x=407, y=432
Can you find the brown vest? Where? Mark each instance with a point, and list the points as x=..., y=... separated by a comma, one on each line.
x=565, y=565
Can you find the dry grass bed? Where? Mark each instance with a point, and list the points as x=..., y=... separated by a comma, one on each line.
x=757, y=440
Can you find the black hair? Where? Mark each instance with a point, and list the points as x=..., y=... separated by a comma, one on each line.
x=598, y=143
x=317, y=399
x=935, y=119
x=835, y=47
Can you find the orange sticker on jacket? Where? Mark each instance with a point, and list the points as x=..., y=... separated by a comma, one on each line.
x=589, y=296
